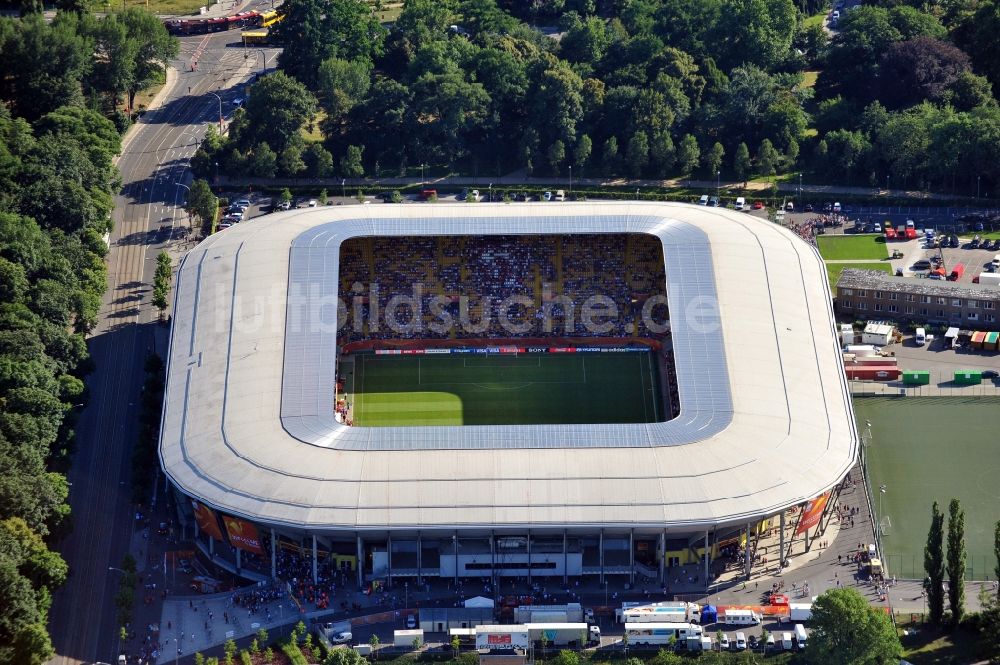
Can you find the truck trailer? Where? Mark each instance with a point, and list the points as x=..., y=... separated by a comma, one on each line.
x=406, y=639
x=678, y=612
x=665, y=611
x=569, y=613
x=660, y=634
x=563, y=634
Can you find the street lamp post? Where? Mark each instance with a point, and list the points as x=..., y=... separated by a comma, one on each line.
x=887, y=184
x=423, y=179
x=343, y=187
x=571, y=180
x=263, y=61
x=718, y=175
x=977, y=185
x=220, y=109
x=406, y=595
x=800, y=186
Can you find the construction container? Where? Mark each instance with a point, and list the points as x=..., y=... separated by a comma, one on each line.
x=990, y=343
x=977, y=339
x=968, y=377
x=872, y=372
x=916, y=377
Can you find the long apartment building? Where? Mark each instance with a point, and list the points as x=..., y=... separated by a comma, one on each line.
x=864, y=294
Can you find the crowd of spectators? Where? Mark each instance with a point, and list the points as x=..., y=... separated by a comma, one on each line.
x=554, y=273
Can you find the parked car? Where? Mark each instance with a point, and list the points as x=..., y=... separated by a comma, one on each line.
x=313, y=203
x=758, y=205
x=790, y=206
x=991, y=374
x=703, y=200
x=741, y=642
x=724, y=642
x=922, y=264
x=547, y=196
x=953, y=241
x=975, y=243
x=752, y=641
x=560, y=195
x=714, y=202
x=877, y=228
x=770, y=641
x=809, y=207
x=978, y=226
x=827, y=207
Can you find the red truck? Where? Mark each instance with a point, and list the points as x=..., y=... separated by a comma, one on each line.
x=957, y=272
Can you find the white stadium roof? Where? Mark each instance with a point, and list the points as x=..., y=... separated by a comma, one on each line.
x=248, y=426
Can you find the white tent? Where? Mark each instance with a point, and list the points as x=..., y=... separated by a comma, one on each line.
x=479, y=601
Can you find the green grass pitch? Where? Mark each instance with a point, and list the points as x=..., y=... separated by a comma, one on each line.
x=927, y=449
x=526, y=389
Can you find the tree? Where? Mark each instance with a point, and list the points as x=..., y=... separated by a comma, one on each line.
x=996, y=553
x=922, y=68
x=847, y=629
x=581, y=153
x=757, y=32
x=203, y=205
x=456, y=644
x=609, y=156
x=373, y=642
x=315, y=30
x=342, y=85
x=229, y=648
x=956, y=561
x=662, y=153
x=767, y=158
x=154, y=47
x=688, y=154
x=713, y=158
x=544, y=642
x=51, y=60
x=286, y=197
x=350, y=164
x=934, y=566
x=274, y=113
x=556, y=155
x=637, y=153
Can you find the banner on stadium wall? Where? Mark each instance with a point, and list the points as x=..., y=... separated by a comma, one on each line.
x=243, y=535
x=207, y=521
x=813, y=512
x=513, y=350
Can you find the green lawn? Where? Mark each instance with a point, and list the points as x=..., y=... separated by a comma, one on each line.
x=526, y=389
x=927, y=449
x=852, y=248
x=815, y=19
x=833, y=270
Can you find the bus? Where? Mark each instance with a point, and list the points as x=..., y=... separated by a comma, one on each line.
x=255, y=37
x=270, y=18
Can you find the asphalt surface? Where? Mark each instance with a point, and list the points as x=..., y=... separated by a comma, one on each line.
x=148, y=218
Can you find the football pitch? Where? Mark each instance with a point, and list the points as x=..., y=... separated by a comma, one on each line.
x=926, y=449
x=522, y=389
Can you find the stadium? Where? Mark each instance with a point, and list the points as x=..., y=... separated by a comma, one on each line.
x=551, y=390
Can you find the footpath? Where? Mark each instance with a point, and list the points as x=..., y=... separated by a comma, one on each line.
x=521, y=179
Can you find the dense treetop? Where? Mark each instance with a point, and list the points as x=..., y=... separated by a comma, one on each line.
x=62, y=107
x=639, y=87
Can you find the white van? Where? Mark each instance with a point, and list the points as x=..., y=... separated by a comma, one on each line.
x=741, y=203
x=703, y=201
x=560, y=195
x=800, y=636
x=996, y=262
x=786, y=641
x=741, y=642
x=920, y=337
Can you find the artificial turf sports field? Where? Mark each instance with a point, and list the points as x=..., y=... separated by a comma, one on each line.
x=523, y=389
x=927, y=449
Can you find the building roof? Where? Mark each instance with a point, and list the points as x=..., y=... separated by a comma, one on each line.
x=853, y=278
x=765, y=420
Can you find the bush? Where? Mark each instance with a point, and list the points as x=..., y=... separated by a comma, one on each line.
x=294, y=654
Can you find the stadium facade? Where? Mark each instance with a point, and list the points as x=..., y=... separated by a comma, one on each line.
x=253, y=447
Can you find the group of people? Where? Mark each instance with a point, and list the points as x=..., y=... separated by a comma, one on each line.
x=555, y=273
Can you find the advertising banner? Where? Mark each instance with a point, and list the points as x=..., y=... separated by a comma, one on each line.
x=243, y=535
x=813, y=512
x=207, y=521
x=502, y=639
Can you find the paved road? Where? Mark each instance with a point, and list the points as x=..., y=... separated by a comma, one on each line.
x=147, y=219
